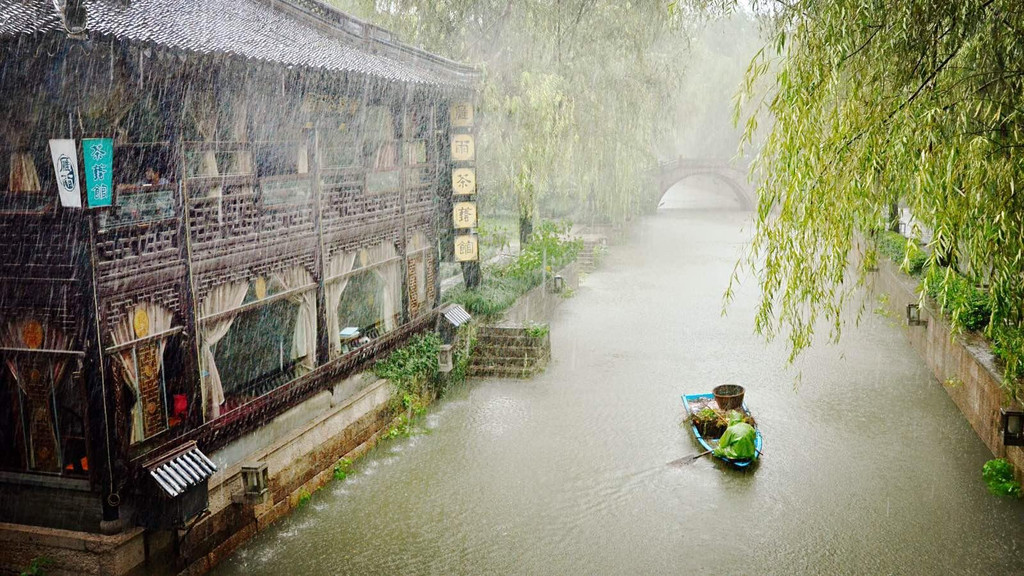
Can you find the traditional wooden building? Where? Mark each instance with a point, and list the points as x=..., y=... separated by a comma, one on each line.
x=279, y=188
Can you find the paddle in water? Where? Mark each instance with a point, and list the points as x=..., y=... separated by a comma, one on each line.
x=688, y=459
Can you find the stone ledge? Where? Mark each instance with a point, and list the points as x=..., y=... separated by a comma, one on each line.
x=963, y=357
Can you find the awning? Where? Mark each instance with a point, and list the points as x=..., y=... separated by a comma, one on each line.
x=181, y=469
x=456, y=315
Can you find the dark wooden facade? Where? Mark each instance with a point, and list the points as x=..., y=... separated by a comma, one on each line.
x=231, y=173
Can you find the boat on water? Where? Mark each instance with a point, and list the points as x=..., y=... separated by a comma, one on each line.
x=694, y=403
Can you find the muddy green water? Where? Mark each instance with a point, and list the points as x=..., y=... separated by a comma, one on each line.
x=868, y=467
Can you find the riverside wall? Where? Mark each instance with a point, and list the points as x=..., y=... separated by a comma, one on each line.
x=962, y=363
x=300, y=448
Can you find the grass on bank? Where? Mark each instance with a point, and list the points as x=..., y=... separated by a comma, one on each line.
x=502, y=284
x=967, y=306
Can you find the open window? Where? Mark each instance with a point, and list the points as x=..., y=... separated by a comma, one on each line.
x=363, y=295
x=256, y=336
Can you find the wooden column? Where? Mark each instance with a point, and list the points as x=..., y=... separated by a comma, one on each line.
x=403, y=238
x=320, y=255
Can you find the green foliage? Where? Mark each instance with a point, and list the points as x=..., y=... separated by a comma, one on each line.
x=537, y=331
x=304, y=498
x=901, y=250
x=876, y=103
x=600, y=253
x=574, y=92
x=1008, y=347
x=412, y=369
x=998, y=475
x=401, y=428
x=503, y=285
x=550, y=244
x=966, y=305
x=342, y=469
x=462, y=353
x=37, y=567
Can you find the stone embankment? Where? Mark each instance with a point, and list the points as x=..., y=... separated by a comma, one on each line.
x=963, y=363
x=510, y=351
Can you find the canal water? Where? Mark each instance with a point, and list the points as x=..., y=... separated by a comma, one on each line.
x=868, y=466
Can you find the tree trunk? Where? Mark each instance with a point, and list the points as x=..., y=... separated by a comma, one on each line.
x=894, y=217
x=525, y=229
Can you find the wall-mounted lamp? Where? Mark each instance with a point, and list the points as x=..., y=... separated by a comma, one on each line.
x=444, y=358
x=1013, y=427
x=914, y=316
x=255, y=479
x=558, y=284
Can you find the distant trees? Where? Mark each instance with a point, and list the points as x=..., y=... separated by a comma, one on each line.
x=577, y=93
x=874, y=103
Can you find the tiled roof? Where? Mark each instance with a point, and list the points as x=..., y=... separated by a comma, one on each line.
x=303, y=33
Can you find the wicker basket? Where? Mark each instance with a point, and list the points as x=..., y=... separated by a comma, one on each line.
x=728, y=396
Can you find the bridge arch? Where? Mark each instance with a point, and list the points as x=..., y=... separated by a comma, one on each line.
x=675, y=171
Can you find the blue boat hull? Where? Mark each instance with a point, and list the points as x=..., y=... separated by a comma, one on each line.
x=711, y=443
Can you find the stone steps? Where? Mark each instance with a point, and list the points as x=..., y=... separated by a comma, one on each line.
x=508, y=352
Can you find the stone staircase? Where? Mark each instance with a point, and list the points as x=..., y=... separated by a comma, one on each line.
x=586, y=256
x=508, y=352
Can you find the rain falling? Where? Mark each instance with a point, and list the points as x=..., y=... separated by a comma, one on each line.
x=492, y=287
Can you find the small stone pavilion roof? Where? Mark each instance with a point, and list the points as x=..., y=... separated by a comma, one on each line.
x=303, y=33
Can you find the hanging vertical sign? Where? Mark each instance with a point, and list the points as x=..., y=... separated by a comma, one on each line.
x=465, y=248
x=99, y=171
x=65, y=166
x=463, y=181
x=463, y=149
x=464, y=214
x=462, y=114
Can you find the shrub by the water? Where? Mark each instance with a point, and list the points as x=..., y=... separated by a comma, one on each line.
x=502, y=285
x=998, y=475
x=412, y=368
x=900, y=250
x=967, y=306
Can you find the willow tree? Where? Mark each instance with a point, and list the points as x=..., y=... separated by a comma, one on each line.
x=576, y=92
x=876, y=102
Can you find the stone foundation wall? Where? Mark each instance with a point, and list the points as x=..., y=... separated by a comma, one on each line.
x=963, y=363
x=300, y=449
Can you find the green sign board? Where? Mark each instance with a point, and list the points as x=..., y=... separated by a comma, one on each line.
x=99, y=171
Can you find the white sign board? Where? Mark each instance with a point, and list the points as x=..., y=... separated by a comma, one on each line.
x=65, y=166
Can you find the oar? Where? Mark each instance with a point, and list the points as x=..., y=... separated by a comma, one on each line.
x=687, y=459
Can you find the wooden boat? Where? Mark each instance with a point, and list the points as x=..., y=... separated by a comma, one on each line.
x=694, y=403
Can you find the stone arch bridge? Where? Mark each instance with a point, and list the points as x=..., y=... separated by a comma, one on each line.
x=673, y=171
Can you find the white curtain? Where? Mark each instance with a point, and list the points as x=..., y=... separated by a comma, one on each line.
x=23, y=175
x=221, y=299
x=160, y=320
x=391, y=274
x=203, y=108
x=341, y=263
x=304, y=340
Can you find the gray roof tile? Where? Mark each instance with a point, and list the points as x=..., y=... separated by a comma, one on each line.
x=301, y=33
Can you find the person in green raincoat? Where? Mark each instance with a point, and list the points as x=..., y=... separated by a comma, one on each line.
x=737, y=442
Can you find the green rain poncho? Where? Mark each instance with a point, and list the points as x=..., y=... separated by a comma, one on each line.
x=737, y=442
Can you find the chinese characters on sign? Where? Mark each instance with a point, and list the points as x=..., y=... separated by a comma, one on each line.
x=464, y=217
x=462, y=114
x=463, y=149
x=464, y=181
x=464, y=214
x=99, y=171
x=465, y=248
x=65, y=166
